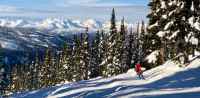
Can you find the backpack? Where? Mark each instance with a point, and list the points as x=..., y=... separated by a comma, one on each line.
x=132, y=66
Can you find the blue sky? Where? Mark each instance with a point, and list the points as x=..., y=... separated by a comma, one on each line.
x=99, y=9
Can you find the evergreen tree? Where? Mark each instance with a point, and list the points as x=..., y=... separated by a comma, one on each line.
x=172, y=24
x=3, y=80
x=122, y=42
x=143, y=46
x=4, y=74
x=66, y=65
x=77, y=59
x=46, y=70
x=95, y=56
x=129, y=48
x=36, y=69
x=19, y=79
x=136, y=45
x=143, y=42
x=85, y=54
x=112, y=61
x=194, y=21
x=55, y=69
x=30, y=76
x=154, y=27
x=104, y=49
x=115, y=57
x=113, y=29
x=15, y=84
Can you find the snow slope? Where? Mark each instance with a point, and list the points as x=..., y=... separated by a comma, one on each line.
x=166, y=81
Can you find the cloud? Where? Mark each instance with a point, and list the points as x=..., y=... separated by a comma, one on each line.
x=66, y=3
x=98, y=9
x=109, y=5
x=7, y=9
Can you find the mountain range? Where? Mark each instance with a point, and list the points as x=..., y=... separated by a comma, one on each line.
x=26, y=35
x=51, y=23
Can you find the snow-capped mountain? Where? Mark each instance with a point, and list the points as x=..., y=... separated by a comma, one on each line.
x=61, y=24
x=18, y=33
x=26, y=35
x=51, y=23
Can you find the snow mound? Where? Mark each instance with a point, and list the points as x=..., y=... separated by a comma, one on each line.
x=165, y=81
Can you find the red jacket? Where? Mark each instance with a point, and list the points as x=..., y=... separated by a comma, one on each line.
x=138, y=68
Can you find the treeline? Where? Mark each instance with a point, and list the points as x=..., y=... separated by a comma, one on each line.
x=109, y=53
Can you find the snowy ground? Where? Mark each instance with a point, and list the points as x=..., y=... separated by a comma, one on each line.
x=166, y=81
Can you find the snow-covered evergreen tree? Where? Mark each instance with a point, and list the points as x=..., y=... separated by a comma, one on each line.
x=2, y=78
x=95, y=57
x=104, y=49
x=47, y=70
x=112, y=61
x=15, y=84
x=122, y=46
x=137, y=45
x=130, y=49
x=154, y=45
x=173, y=27
x=142, y=42
x=36, y=69
x=65, y=67
x=194, y=22
x=3, y=75
x=85, y=53
x=30, y=76
x=77, y=59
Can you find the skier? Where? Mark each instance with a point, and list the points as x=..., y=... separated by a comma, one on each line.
x=139, y=71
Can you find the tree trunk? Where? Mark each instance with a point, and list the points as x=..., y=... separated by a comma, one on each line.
x=162, y=55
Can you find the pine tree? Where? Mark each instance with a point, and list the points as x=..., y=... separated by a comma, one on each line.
x=36, y=69
x=172, y=24
x=77, y=59
x=95, y=57
x=86, y=54
x=112, y=61
x=3, y=75
x=66, y=65
x=136, y=45
x=142, y=41
x=181, y=27
x=194, y=21
x=143, y=46
x=122, y=42
x=19, y=78
x=117, y=52
x=30, y=76
x=14, y=86
x=104, y=49
x=113, y=29
x=46, y=72
x=154, y=27
x=129, y=48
